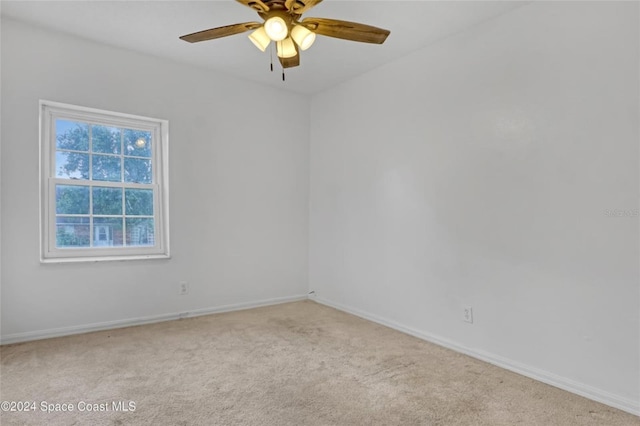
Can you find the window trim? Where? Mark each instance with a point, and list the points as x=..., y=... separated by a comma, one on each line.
x=49, y=112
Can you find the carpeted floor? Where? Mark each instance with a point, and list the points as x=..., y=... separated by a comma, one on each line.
x=292, y=364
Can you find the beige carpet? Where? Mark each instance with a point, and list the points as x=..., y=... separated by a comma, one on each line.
x=293, y=364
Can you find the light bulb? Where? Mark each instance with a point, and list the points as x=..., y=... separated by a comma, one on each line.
x=286, y=48
x=303, y=37
x=276, y=28
x=260, y=38
x=140, y=143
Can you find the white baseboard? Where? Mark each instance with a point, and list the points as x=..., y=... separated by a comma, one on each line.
x=564, y=383
x=108, y=325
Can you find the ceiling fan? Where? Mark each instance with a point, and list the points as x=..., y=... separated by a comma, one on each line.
x=282, y=24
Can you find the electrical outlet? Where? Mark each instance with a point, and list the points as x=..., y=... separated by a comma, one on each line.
x=183, y=288
x=467, y=314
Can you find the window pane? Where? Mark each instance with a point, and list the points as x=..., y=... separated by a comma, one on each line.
x=72, y=135
x=107, y=232
x=72, y=165
x=105, y=139
x=72, y=199
x=137, y=170
x=137, y=143
x=139, y=202
x=103, y=177
x=107, y=168
x=72, y=232
x=107, y=200
x=140, y=232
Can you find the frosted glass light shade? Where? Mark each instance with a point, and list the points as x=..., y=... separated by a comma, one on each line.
x=276, y=28
x=286, y=48
x=303, y=37
x=260, y=38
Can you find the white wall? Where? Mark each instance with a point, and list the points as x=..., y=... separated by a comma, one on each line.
x=477, y=171
x=239, y=193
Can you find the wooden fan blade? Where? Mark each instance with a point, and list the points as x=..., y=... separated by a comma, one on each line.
x=290, y=62
x=256, y=5
x=300, y=6
x=346, y=30
x=220, y=32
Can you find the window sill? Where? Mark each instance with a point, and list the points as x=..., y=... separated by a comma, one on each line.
x=103, y=258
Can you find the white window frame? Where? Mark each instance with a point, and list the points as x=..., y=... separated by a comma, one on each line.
x=49, y=253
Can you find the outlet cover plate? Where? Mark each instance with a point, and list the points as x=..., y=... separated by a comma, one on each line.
x=467, y=314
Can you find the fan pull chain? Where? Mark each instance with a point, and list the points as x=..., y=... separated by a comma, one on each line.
x=282, y=72
x=271, y=55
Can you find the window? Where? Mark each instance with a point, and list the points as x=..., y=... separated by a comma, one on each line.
x=104, y=191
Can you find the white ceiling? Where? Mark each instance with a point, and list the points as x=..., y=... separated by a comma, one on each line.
x=153, y=27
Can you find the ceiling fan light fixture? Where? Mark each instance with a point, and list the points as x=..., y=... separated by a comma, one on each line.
x=286, y=48
x=260, y=38
x=282, y=22
x=303, y=37
x=276, y=28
